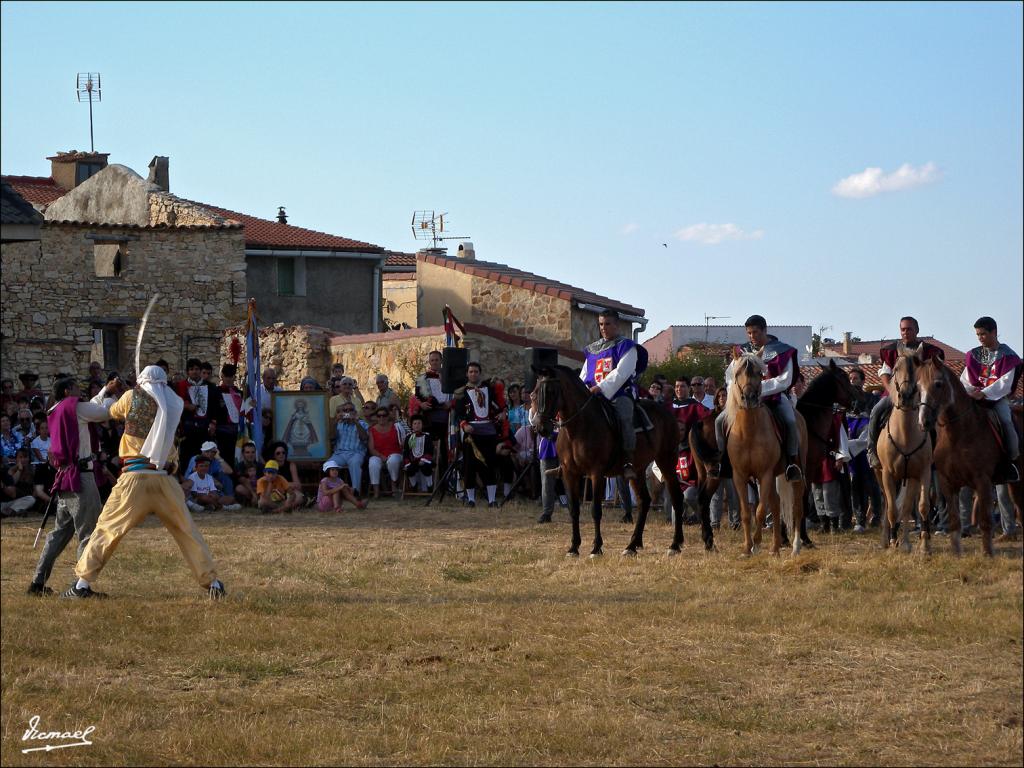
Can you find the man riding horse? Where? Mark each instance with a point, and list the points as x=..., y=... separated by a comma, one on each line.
x=780, y=375
x=889, y=354
x=990, y=374
x=610, y=370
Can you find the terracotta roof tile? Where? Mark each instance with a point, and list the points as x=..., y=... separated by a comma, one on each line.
x=38, y=190
x=871, y=347
x=398, y=259
x=503, y=273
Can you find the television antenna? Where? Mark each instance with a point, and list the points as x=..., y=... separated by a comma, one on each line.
x=707, y=324
x=429, y=225
x=89, y=89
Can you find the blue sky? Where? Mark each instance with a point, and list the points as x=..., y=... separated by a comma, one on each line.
x=574, y=140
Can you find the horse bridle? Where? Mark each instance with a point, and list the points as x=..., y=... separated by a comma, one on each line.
x=899, y=391
x=559, y=423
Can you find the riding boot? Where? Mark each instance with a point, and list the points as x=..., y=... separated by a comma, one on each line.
x=628, y=473
x=793, y=472
x=1012, y=475
x=873, y=461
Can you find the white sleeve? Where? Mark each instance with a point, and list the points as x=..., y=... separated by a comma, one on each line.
x=780, y=383
x=583, y=371
x=966, y=381
x=95, y=409
x=844, y=444
x=884, y=369
x=999, y=388
x=623, y=371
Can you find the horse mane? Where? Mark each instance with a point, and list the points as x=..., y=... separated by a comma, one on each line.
x=816, y=394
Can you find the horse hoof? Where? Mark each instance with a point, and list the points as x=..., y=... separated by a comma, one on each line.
x=570, y=553
x=596, y=554
x=673, y=552
x=746, y=555
x=627, y=552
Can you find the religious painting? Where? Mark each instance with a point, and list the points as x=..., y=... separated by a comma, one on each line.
x=300, y=421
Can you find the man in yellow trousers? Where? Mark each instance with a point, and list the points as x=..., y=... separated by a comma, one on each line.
x=151, y=413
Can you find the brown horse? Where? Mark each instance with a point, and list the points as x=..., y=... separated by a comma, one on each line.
x=905, y=452
x=756, y=453
x=589, y=447
x=966, y=451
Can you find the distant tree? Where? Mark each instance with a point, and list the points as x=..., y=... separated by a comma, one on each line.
x=815, y=345
x=694, y=363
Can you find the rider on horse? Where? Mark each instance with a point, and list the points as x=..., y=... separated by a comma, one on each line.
x=610, y=369
x=780, y=375
x=990, y=374
x=889, y=354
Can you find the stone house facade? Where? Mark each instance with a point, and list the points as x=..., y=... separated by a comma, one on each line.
x=78, y=293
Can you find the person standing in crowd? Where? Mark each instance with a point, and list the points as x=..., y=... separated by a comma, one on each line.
x=477, y=410
x=9, y=442
x=435, y=406
x=517, y=410
x=825, y=479
x=863, y=485
x=195, y=395
x=30, y=392
x=268, y=385
x=990, y=375
x=726, y=493
x=72, y=452
x=698, y=391
x=868, y=400
x=386, y=396
x=548, y=458
x=337, y=373
x=227, y=414
x=889, y=354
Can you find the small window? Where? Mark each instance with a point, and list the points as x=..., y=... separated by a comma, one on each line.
x=286, y=277
x=107, y=341
x=84, y=170
x=110, y=259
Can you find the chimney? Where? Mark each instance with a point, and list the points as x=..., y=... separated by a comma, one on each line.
x=158, y=173
x=69, y=169
x=282, y=217
x=466, y=251
x=846, y=342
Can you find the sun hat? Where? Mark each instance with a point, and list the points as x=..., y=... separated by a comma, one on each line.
x=272, y=465
x=331, y=464
x=209, y=445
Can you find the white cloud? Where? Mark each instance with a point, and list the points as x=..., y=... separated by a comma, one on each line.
x=713, y=234
x=629, y=229
x=872, y=181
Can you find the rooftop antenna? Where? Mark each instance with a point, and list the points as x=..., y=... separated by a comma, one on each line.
x=89, y=89
x=428, y=225
x=707, y=323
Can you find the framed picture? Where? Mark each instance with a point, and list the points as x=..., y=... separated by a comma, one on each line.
x=300, y=421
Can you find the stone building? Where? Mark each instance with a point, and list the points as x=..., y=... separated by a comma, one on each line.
x=109, y=240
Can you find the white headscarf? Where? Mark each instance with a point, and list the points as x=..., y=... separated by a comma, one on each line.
x=160, y=440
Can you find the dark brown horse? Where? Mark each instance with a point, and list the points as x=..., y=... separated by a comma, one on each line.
x=966, y=452
x=589, y=447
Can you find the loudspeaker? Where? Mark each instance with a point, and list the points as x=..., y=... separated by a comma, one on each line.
x=453, y=368
x=541, y=357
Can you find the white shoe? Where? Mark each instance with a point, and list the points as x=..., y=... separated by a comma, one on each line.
x=232, y=507
x=194, y=506
x=858, y=529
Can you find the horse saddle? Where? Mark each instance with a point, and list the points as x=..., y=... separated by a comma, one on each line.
x=641, y=421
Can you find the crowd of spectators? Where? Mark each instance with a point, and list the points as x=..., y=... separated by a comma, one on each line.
x=389, y=443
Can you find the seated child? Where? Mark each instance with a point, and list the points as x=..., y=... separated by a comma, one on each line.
x=274, y=493
x=245, y=490
x=333, y=488
x=419, y=456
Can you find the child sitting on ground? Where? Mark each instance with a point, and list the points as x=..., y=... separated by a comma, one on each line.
x=203, y=493
x=245, y=491
x=419, y=456
x=333, y=488
x=274, y=493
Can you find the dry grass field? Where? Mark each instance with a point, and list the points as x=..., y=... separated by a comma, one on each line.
x=404, y=635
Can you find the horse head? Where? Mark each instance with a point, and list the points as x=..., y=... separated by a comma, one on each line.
x=844, y=393
x=748, y=372
x=903, y=384
x=936, y=387
x=546, y=397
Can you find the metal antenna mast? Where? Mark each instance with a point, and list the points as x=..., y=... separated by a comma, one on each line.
x=707, y=322
x=428, y=225
x=88, y=88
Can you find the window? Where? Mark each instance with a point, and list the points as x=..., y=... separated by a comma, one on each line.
x=285, y=277
x=84, y=170
x=107, y=341
x=110, y=259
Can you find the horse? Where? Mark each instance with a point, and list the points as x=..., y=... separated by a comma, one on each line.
x=830, y=388
x=756, y=453
x=588, y=446
x=966, y=452
x=905, y=452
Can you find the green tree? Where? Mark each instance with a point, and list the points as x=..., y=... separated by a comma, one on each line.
x=695, y=363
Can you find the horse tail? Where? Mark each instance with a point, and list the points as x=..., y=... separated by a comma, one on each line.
x=787, y=504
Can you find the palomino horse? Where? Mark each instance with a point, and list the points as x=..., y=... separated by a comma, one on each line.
x=966, y=452
x=588, y=446
x=756, y=453
x=905, y=452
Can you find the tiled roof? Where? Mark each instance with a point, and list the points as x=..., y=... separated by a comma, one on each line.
x=263, y=233
x=38, y=190
x=15, y=209
x=398, y=276
x=398, y=260
x=502, y=273
x=871, y=348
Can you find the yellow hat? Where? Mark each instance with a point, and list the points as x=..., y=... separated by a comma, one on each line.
x=272, y=465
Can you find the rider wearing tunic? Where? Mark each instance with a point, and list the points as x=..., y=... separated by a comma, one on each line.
x=610, y=370
x=991, y=373
x=477, y=409
x=781, y=373
x=889, y=354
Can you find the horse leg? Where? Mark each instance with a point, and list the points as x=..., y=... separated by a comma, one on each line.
x=643, y=494
x=924, y=509
x=742, y=493
x=573, y=489
x=952, y=496
x=772, y=506
x=762, y=513
x=889, y=486
x=911, y=493
x=983, y=514
x=595, y=512
x=706, y=490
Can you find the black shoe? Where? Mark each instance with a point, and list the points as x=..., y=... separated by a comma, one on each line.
x=81, y=594
x=544, y=518
x=793, y=473
x=39, y=589
x=492, y=505
x=470, y=503
x=217, y=591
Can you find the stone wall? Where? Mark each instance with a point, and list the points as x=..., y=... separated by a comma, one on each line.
x=520, y=311
x=294, y=351
x=52, y=299
x=165, y=208
x=400, y=355
x=399, y=292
